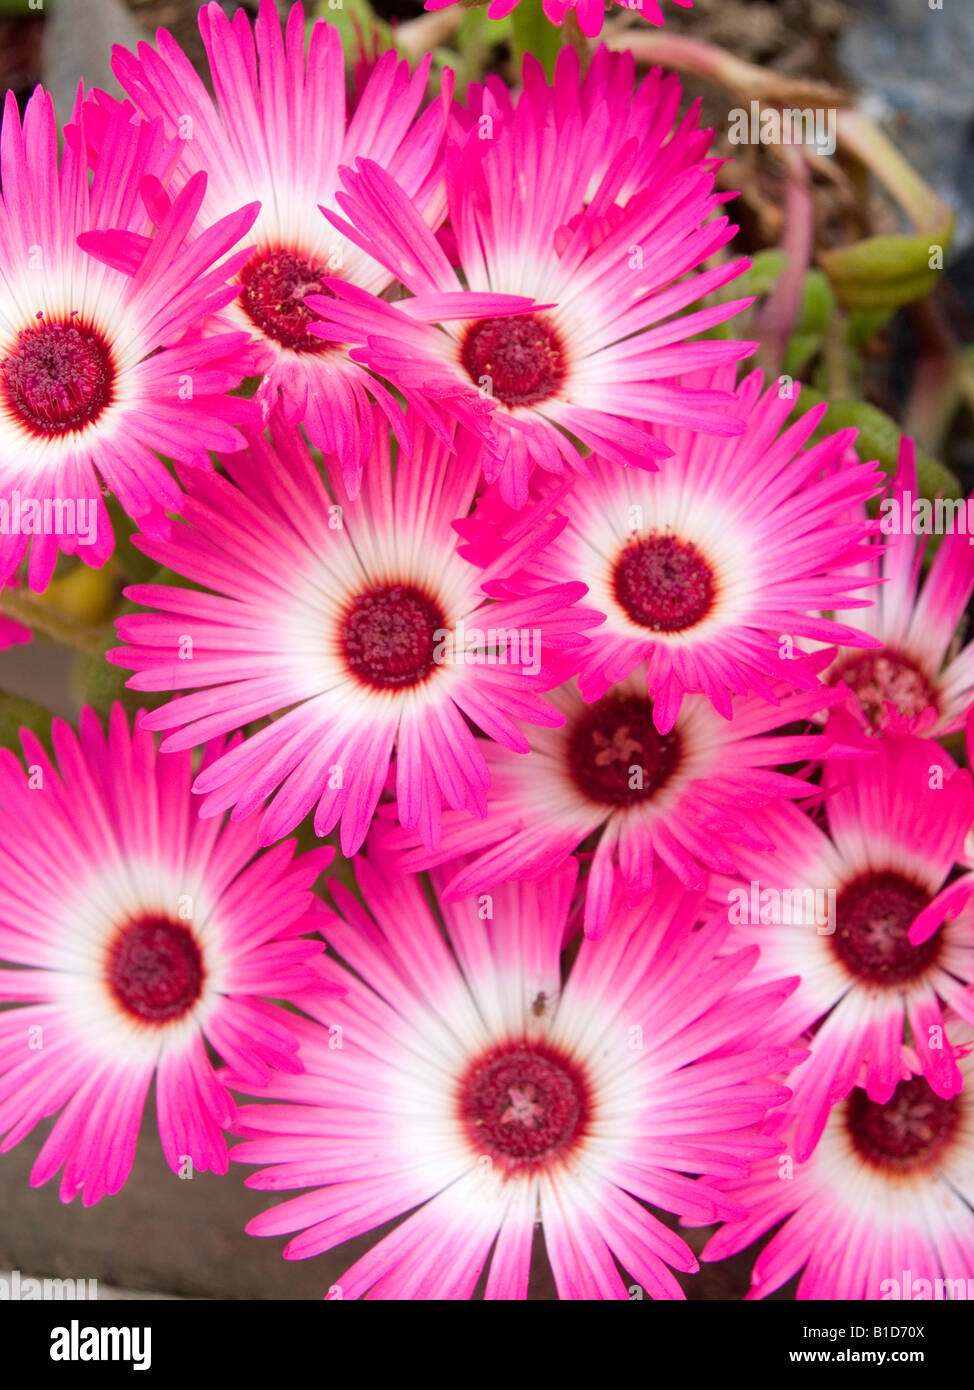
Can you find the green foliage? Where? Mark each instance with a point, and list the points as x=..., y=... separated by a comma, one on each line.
x=884, y=272
x=879, y=438
x=760, y=279
x=137, y=568
x=17, y=714
x=863, y=323
x=345, y=15
x=818, y=307
x=534, y=33
x=98, y=683
x=476, y=38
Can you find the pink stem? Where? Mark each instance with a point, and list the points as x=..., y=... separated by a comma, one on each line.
x=778, y=317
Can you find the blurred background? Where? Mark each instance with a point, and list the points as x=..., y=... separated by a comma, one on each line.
x=908, y=67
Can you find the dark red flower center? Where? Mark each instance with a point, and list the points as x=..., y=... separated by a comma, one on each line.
x=524, y=1105
x=664, y=584
x=616, y=755
x=519, y=359
x=155, y=969
x=884, y=677
x=906, y=1133
x=59, y=376
x=390, y=636
x=275, y=286
x=873, y=919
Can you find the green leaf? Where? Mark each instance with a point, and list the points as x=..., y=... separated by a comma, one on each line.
x=884, y=271
x=17, y=714
x=863, y=323
x=99, y=684
x=818, y=303
x=879, y=438
x=760, y=278
x=801, y=349
x=474, y=43
x=344, y=14
x=138, y=568
x=534, y=33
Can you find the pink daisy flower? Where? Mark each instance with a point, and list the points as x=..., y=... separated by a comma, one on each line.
x=896, y=827
x=277, y=133
x=597, y=357
x=921, y=680
x=706, y=580
x=98, y=363
x=475, y=1091
x=883, y=1208
x=643, y=118
x=355, y=625
x=136, y=935
x=590, y=13
x=685, y=799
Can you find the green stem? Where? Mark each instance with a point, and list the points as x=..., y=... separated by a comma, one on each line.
x=48, y=622
x=534, y=33
x=715, y=64
x=856, y=133
x=835, y=353
x=859, y=136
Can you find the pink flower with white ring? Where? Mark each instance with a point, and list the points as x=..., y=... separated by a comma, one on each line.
x=643, y=115
x=921, y=677
x=477, y=1091
x=135, y=935
x=354, y=626
x=870, y=983
x=276, y=132
x=101, y=363
x=882, y=1209
x=711, y=582
x=604, y=777
x=598, y=358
